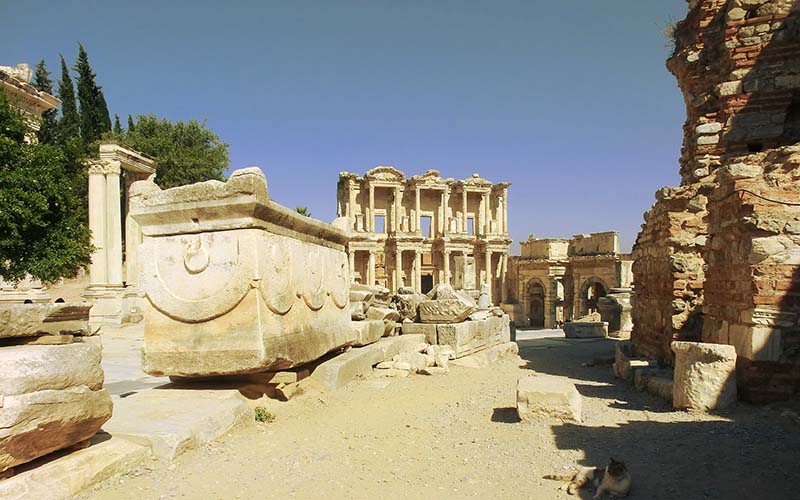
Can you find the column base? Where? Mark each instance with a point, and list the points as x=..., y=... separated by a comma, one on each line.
x=114, y=305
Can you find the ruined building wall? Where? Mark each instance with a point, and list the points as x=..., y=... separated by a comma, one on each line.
x=716, y=259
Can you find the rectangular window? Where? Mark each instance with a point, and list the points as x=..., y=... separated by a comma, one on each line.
x=380, y=223
x=426, y=226
x=471, y=225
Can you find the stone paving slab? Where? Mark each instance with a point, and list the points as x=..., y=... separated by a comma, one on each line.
x=171, y=421
x=488, y=356
x=62, y=475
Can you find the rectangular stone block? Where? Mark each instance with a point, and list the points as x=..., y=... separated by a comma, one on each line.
x=470, y=336
x=444, y=311
x=429, y=331
x=368, y=331
x=31, y=368
x=28, y=320
x=545, y=397
x=236, y=283
x=585, y=330
x=705, y=376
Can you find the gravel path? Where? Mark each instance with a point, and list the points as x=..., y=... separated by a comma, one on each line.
x=456, y=436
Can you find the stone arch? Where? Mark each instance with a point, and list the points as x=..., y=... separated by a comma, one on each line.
x=535, y=300
x=592, y=289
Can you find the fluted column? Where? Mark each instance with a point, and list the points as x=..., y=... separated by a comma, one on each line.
x=98, y=269
x=114, y=224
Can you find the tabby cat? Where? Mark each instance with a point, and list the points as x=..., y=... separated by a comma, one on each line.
x=613, y=478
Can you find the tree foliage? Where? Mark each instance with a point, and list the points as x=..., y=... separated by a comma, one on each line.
x=117, y=125
x=184, y=152
x=42, y=221
x=94, y=117
x=69, y=124
x=48, y=129
x=303, y=211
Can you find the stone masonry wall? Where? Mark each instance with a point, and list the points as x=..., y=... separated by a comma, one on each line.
x=717, y=259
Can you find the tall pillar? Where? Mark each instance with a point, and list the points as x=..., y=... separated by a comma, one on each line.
x=398, y=269
x=351, y=256
x=418, y=270
x=446, y=254
x=133, y=234
x=505, y=211
x=98, y=270
x=487, y=212
x=503, y=274
x=464, y=210
x=499, y=215
x=488, y=268
x=371, y=215
x=481, y=222
x=416, y=208
x=371, y=269
x=114, y=234
x=352, y=193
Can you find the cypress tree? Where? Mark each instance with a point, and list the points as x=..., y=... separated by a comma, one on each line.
x=94, y=117
x=131, y=125
x=117, y=126
x=48, y=128
x=69, y=124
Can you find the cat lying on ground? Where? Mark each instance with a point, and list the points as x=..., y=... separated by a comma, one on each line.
x=613, y=479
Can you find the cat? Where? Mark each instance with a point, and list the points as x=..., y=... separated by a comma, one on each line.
x=614, y=478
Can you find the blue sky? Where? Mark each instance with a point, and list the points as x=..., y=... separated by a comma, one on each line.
x=569, y=100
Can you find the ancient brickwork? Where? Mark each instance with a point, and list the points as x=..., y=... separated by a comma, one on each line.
x=717, y=259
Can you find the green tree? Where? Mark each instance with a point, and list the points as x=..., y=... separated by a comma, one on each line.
x=303, y=211
x=48, y=128
x=94, y=118
x=117, y=126
x=131, y=125
x=184, y=152
x=69, y=124
x=42, y=223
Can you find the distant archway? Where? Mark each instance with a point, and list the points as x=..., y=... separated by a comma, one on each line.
x=591, y=290
x=535, y=294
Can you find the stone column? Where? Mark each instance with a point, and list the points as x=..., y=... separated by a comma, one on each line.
x=414, y=283
x=371, y=214
x=481, y=222
x=488, y=213
x=132, y=235
x=371, y=269
x=398, y=269
x=351, y=256
x=418, y=270
x=352, y=206
x=114, y=235
x=464, y=212
x=488, y=267
x=441, y=224
x=505, y=211
x=503, y=272
x=98, y=270
x=446, y=210
x=416, y=207
x=499, y=215
x=446, y=254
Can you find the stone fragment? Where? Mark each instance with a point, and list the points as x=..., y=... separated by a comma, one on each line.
x=486, y=357
x=68, y=475
x=383, y=313
x=434, y=370
x=705, y=376
x=367, y=332
x=584, y=329
x=171, y=421
x=32, y=368
x=470, y=336
x=364, y=296
x=444, y=311
x=28, y=320
x=429, y=331
x=236, y=283
x=358, y=311
x=37, y=423
x=709, y=128
x=414, y=361
x=545, y=397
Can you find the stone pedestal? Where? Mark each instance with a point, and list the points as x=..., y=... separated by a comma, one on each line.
x=545, y=397
x=705, y=376
x=236, y=283
x=615, y=309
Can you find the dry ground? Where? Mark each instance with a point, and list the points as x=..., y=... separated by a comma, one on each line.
x=456, y=437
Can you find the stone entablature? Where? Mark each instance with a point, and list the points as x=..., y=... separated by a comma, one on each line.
x=557, y=280
x=15, y=82
x=414, y=231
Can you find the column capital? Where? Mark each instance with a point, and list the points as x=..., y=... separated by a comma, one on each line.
x=103, y=167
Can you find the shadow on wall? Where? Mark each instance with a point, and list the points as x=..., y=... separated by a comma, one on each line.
x=694, y=460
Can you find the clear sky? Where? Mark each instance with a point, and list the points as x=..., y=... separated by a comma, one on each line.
x=569, y=100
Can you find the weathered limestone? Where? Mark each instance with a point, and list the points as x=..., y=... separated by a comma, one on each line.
x=489, y=356
x=24, y=97
x=51, y=396
x=171, y=421
x=470, y=336
x=415, y=233
x=583, y=328
x=705, y=376
x=545, y=397
x=236, y=283
x=368, y=332
x=27, y=320
x=446, y=306
x=559, y=280
x=615, y=309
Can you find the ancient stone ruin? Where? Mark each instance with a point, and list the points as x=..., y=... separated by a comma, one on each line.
x=717, y=258
x=425, y=230
x=559, y=280
x=236, y=283
x=51, y=382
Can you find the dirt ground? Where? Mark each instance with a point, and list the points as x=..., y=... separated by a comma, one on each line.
x=457, y=436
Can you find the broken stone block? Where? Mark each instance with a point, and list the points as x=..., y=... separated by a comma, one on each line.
x=585, y=329
x=51, y=397
x=368, y=331
x=429, y=331
x=470, y=336
x=383, y=313
x=28, y=320
x=411, y=361
x=236, y=283
x=444, y=311
x=545, y=397
x=358, y=311
x=487, y=357
x=705, y=376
